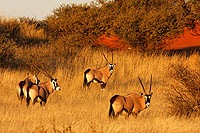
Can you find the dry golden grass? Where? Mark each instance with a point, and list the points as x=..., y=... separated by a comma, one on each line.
x=30, y=31
x=182, y=80
x=74, y=109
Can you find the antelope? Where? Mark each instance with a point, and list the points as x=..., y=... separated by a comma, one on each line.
x=130, y=103
x=100, y=75
x=30, y=80
x=40, y=93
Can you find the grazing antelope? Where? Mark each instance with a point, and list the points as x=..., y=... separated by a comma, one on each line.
x=30, y=80
x=131, y=103
x=40, y=93
x=100, y=75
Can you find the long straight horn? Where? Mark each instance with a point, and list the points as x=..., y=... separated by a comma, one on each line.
x=44, y=71
x=112, y=57
x=47, y=74
x=36, y=67
x=142, y=85
x=27, y=67
x=40, y=70
x=106, y=58
x=150, y=84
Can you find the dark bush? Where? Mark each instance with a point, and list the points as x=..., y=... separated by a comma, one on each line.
x=7, y=51
x=145, y=24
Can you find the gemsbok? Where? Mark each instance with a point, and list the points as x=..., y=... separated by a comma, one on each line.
x=23, y=85
x=100, y=75
x=130, y=103
x=40, y=93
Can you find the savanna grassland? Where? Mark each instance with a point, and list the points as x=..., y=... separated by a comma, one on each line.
x=65, y=45
x=74, y=109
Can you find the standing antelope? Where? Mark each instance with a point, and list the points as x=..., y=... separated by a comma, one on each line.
x=100, y=75
x=130, y=103
x=23, y=85
x=40, y=93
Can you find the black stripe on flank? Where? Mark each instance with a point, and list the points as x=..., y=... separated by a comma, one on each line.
x=98, y=80
x=124, y=98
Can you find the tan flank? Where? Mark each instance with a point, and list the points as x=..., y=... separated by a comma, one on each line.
x=100, y=75
x=40, y=93
x=131, y=103
x=23, y=85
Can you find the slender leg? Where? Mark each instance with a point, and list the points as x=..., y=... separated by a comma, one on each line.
x=135, y=114
x=129, y=113
x=88, y=85
x=117, y=114
x=43, y=102
x=28, y=101
x=35, y=100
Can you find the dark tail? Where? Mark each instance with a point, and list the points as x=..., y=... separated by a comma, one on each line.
x=111, y=110
x=21, y=84
x=85, y=79
x=28, y=97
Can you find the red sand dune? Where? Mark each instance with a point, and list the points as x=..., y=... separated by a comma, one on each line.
x=188, y=39
x=113, y=42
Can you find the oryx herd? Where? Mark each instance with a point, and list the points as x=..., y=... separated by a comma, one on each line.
x=32, y=90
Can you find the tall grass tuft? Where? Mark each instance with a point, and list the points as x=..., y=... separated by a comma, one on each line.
x=183, y=87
